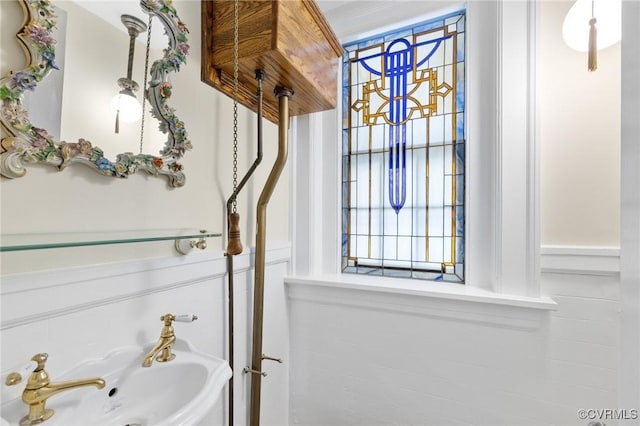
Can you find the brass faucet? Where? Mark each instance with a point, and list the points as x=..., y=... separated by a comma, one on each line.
x=39, y=388
x=167, y=338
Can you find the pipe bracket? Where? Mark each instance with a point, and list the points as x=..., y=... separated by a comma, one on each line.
x=249, y=370
x=268, y=358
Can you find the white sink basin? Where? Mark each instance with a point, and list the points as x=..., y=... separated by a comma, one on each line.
x=179, y=392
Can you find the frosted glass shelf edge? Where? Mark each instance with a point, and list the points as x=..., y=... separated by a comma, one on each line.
x=21, y=242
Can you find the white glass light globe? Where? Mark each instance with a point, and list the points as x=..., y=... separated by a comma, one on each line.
x=575, y=28
x=128, y=105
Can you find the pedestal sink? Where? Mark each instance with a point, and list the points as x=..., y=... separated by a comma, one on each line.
x=177, y=393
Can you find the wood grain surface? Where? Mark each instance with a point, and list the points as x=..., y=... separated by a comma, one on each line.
x=290, y=40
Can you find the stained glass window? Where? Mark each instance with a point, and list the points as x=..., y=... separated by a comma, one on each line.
x=403, y=144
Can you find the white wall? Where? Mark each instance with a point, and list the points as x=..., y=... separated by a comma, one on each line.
x=367, y=356
x=360, y=358
x=580, y=139
x=80, y=200
x=630, y=215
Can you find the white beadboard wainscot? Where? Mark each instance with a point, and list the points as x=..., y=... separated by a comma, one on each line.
x=75, y=314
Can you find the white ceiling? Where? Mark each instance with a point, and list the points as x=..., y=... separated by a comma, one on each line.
x=353, y=19
x=350, y=19
x=111, y=10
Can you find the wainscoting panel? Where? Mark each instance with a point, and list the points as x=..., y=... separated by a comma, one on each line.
x=399, y=359
x=75, y=314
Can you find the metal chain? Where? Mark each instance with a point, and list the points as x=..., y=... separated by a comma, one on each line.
x=235, y=102
x=144, y=87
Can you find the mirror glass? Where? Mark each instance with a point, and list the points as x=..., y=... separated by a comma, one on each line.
x=58, y=110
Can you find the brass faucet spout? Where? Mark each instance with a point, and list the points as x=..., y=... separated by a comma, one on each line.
x=31, y=396
x=37, y=398
x=162, y=349
x=39, y=389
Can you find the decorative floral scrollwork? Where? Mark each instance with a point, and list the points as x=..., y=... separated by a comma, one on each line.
x=30, y=144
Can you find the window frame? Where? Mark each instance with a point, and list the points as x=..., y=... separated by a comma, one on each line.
x=502, y=212
x=377, y=263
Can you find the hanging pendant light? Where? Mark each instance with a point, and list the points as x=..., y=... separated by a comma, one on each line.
x=592, y=25
x=125, y=104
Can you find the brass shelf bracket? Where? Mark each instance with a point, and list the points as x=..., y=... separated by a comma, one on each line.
x=184, y=247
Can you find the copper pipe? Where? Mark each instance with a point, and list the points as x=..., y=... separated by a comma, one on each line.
x=235, y=245
x=283, y=95
x=231, y=334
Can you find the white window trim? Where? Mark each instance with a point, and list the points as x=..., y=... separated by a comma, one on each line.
x=502, y=214
x=629, y=371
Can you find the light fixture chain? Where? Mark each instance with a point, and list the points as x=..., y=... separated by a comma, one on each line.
x=235, y=102
x=144, y=86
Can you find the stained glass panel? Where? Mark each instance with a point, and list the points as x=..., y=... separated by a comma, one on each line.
x=403, y=144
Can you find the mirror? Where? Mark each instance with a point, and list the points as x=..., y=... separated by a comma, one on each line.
x=30, y=142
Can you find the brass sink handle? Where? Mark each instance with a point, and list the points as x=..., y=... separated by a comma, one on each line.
x=39, y=377
x=162, y=350
x=179, y=318
x=39, y=389
x=13, y=379
x=19, y=373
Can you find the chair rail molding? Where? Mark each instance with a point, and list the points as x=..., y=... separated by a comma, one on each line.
x=580, y=260
x=66, y=290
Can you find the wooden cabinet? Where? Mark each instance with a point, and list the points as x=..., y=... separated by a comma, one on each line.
x=289, y=40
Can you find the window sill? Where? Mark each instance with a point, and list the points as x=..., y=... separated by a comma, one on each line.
x=445, y=300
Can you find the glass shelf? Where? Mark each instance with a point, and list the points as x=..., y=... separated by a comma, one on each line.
x=19, y=242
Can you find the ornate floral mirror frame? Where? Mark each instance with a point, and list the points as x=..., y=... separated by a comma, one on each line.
x=29, y=144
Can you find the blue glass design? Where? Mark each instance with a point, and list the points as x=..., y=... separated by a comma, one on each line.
x=345, y=143
x=350, y=48
x=345, y=213
x=428, y=26
x=460, y=127
x=460, y=157
x=459, y=222
x=460, y=87
x=397, y=35
x=345, y=238
x=344, y=193
x=345, y=168
x=459, y=190
x=461, y=24
x=460, y=54
x=399, y=62
x=404, y=97
x=345, y=74
x=370, y=42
